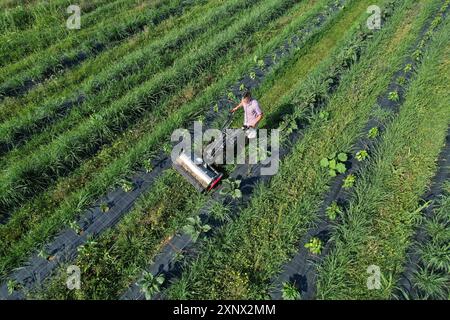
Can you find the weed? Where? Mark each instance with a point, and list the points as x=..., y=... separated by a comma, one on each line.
x=417, y=55
x=75, y=227
x=290, y=292
x=408, y=68
x=324, y=115
x=401, y=80
x=148, y=166
x=12, y=286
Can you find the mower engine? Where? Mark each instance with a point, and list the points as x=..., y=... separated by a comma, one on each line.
x=201, y=175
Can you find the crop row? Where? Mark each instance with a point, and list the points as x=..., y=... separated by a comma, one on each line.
x=431, y=277
x=113, y=82
x=18, y=45
x=20, y=77
x=129, y=159
x=261, y=240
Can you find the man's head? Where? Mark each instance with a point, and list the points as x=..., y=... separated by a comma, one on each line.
x=247, y=97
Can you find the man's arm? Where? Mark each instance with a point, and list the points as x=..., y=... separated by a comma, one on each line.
x=237, y=107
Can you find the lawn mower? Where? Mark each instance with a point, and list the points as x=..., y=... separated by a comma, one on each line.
x=204, y=175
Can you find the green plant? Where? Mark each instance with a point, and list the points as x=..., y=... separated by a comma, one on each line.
x=104, y=207
x=242, y=87
x=231, y=188
x=194, y=227
x=373, y=133
x=12, y=285
x=274, y=57
x=231, y=96
x=417, y=54
x=333, y=211
x=408, y=68
x=150, y=284
x=291, y=126
x=362, y=155
x=75, y=227
x=252, y=75
x=126, y=185
x=314, y=245
x=148, y=166
x=324, y=115
x=349, y=181
x=167, y=148
x=335, y=163
x=216, y=108
x=401, y=80
x=393, y=96
x=261, y=63
x=290, y=292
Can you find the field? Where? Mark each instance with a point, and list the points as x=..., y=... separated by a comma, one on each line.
x=357, y=210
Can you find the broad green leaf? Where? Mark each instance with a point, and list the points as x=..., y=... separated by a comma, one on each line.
x=340, y=167
x=191, y=220
x=333, y=164
x=342, y=157
x=324, y=162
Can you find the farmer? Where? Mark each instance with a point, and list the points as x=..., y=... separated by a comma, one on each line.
x=252, y=113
